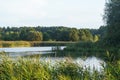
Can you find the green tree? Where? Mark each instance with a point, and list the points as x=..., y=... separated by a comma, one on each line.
x=74, y=35
x=0, y=37
x=82, y=35
x=85, y=35
x=6, y=36
x=89, y=36
x=23, y=34
x=15, y=36
x=34, y=36
x=11, y=36
x=96, y=38
x=46, y=36
x=112, y=18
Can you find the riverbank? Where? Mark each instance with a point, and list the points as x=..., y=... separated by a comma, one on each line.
x=33, y=43
x=72, y=49
x=14, y=44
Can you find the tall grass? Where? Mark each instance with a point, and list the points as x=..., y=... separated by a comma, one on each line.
x=50, y=43
x=35, y=69
x=33, y=43
x=14, y=44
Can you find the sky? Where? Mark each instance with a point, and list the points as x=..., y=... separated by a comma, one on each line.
x=69, y=13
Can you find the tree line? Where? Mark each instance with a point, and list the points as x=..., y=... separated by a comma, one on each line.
x=108, y=34
x=56, y=33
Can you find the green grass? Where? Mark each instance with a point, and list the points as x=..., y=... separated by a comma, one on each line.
x=35, y=69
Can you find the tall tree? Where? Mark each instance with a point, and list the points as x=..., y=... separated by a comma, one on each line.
x=112, y=18
x=0, y=37
x=34, y=36
x=74, y=35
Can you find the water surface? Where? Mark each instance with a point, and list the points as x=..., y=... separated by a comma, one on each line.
x=90, y=62
x=23, y=51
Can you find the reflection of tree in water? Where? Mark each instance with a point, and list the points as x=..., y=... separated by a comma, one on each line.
x=56, y=49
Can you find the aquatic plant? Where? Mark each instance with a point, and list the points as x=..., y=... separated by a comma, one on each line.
x=35, y=69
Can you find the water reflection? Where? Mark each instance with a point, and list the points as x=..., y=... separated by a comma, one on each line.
x=92, y=63
x=26, y=51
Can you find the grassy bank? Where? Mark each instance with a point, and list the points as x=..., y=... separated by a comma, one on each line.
x=34, y=69
x=50, y=43
x=33, y=43
x=14, y=44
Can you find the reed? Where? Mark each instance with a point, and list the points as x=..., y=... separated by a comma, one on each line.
x=35, y=69
x=33, y=43
x=14, y=44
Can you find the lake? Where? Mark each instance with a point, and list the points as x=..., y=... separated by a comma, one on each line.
x=92, y=62
x=24, y=51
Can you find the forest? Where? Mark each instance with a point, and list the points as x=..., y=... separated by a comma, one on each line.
x=55, y=33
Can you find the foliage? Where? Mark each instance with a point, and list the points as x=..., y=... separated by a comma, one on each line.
x=55, y=33
x=101, y=32
x=34, y=36
x=34, y=69
x=96, y=38
x=74, y=35
x=112, y=18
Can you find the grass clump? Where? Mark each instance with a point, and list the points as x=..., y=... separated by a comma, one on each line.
x=14, y=44
x=23, y=69
x=35, y=69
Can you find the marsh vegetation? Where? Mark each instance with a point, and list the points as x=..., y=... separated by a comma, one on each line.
x=35, y=69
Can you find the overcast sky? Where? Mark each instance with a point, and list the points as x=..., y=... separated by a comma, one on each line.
x=70, y=13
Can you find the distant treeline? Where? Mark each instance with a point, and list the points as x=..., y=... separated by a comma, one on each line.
x=55, y=33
